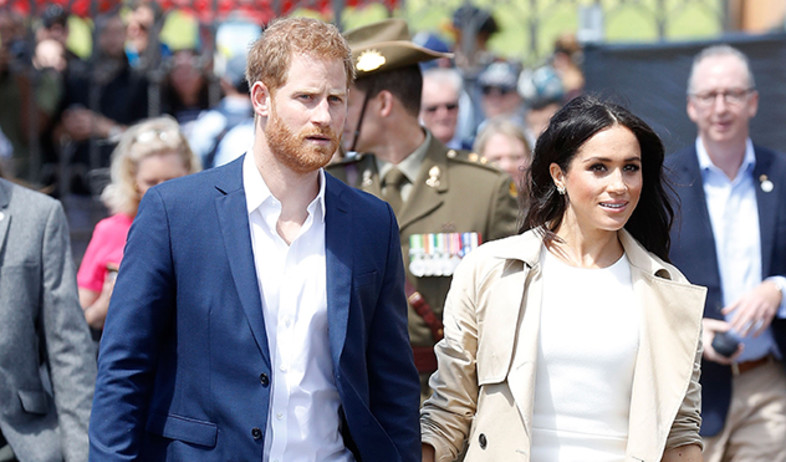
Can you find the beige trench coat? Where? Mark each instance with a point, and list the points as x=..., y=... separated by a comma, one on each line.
x=483, y=390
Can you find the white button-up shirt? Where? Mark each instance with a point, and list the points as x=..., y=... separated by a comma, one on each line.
x=734, y=217
x=303, y=422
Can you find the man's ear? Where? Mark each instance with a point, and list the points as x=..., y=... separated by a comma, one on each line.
x=260, y=99
x=385, y=99
x=690, y=108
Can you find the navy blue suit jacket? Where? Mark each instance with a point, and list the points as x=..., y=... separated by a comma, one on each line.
x=184, y=362
x=693, y=252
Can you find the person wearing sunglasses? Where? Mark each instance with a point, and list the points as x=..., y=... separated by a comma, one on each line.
x=499, y=95
x=439, y=108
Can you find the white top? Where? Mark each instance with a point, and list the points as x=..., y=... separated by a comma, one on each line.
x=589, y=336
x=734, y=217
x=303, y=422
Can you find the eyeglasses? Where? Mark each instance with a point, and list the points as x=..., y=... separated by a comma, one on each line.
x=450, y=107
x=734, y=96
x=488, y=89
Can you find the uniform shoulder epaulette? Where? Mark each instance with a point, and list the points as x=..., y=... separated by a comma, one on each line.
x=349, y=160
x=470, y=157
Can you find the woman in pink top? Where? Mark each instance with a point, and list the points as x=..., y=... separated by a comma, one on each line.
x=148, y=153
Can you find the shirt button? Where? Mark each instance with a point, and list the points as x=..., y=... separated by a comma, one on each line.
x=256, y=433
x=279, y=416
x=264, y=379
x=283, y=368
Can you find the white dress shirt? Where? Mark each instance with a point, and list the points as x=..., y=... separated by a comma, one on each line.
x=734, y=216
x=303, y=422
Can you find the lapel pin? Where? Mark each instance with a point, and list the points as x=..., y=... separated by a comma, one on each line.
x=766, y=184
x=433, y=177
x=367, y=178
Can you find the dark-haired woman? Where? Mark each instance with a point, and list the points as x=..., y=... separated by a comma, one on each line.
x=575, y=340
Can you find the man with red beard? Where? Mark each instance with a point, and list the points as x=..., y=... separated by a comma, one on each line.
x=259, y=311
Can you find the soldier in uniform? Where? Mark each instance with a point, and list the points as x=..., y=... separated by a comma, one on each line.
x=446, y=201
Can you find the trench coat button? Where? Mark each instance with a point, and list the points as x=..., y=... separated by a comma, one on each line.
x=482, y=441
x=264, y=379
x=256, y=433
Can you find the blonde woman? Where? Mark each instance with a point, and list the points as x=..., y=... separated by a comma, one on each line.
x=148, y=153
x=503, y=143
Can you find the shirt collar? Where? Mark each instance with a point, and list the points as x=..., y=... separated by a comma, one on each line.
x=257, y=192
x=705, y=163
x=410, y=166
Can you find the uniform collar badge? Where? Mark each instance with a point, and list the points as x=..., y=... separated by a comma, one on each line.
x=433, y=177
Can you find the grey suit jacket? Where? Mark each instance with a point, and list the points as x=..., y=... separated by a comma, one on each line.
x=47, y=359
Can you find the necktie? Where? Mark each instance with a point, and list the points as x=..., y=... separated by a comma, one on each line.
x=391, y=188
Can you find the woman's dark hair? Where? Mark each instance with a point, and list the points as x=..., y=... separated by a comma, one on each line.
x=569, y=129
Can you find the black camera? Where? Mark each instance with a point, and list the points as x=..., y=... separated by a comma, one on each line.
x=725, y=344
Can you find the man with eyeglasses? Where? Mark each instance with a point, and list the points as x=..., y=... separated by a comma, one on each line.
x=730, y=235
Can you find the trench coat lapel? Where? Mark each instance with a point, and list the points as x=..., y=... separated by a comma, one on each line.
x=522, y=371
x=666, y=354
x=522, y=271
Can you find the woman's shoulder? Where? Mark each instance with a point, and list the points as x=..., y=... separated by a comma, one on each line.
x=113, y=226
x=523, y=247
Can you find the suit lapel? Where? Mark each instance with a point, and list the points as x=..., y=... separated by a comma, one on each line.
x=426, y=194
x=234, y=225
x=5, y=217
x=695, y=220
x=338, y=260
x=766, y=203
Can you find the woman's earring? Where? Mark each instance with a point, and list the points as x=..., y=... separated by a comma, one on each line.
x=561, y=190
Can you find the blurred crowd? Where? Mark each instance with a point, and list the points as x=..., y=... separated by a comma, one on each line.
x=63, y=113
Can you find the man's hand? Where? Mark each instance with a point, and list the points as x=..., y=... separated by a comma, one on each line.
x=427, y=452
x=754, y=311
x=710, y=327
